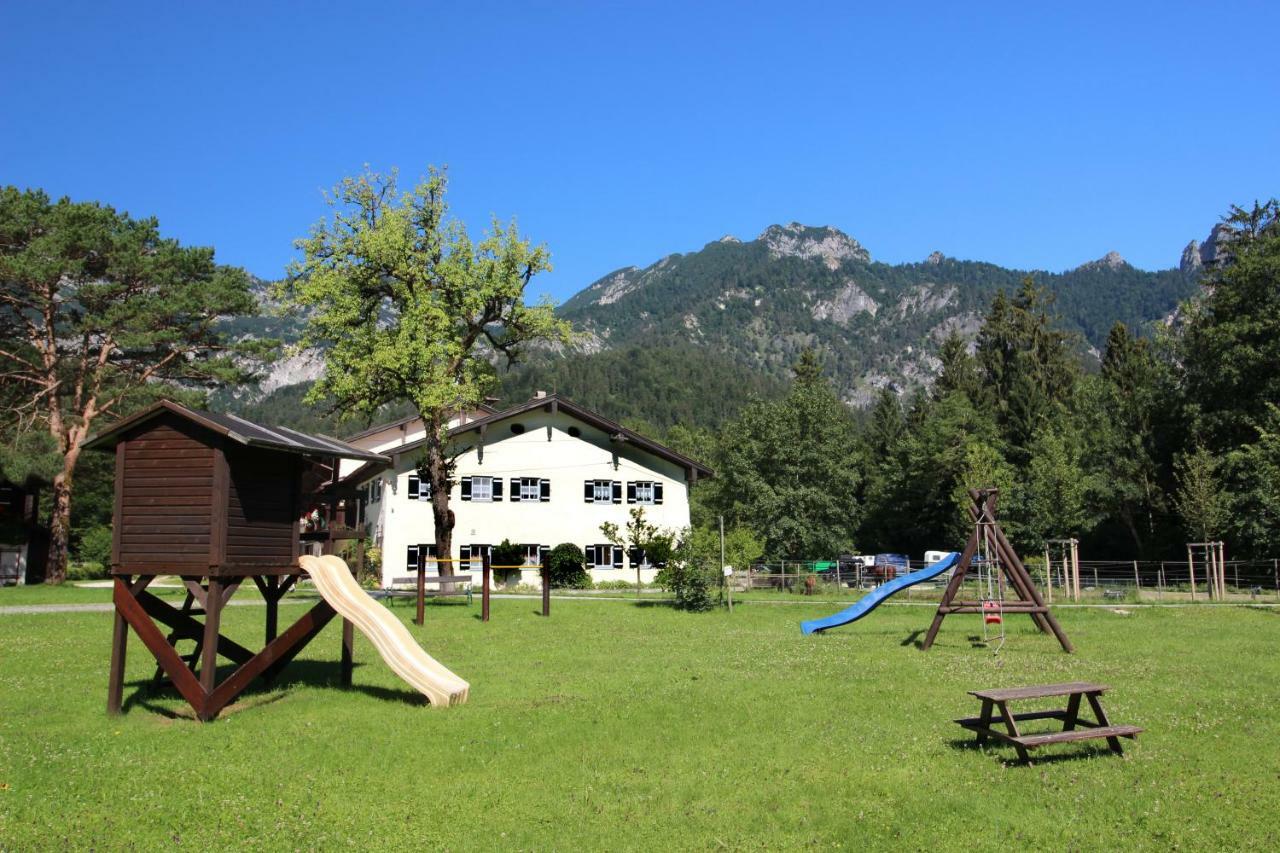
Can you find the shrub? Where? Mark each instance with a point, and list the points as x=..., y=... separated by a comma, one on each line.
x=567, y=569
x=95, y=546
x=691, y=584
x=615, y=585
x=88, y=571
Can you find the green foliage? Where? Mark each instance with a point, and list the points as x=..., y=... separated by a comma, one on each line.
x=100, y=314
x=95, y=546
x=409, y=309
x=1201, y=500
x=567, y=567
x=1255, y=470
x=660, y=385
x=1230, y=347
x=787, y=469
x=507, y=554
x=88, y=570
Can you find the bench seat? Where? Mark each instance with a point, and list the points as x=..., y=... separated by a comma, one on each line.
x=1032, y=741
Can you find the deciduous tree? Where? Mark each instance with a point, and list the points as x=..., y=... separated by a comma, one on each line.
x=408, y=307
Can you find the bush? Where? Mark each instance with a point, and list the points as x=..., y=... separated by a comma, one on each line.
x=87, y=571
x=567, y=569
x=95, y=546
x=692, y=586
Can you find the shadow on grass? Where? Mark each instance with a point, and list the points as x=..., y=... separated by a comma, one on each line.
x=146, y=693
x=997, y=749
x=913, y=639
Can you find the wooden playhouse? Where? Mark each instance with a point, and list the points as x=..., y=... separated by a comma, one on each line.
x=216, y=500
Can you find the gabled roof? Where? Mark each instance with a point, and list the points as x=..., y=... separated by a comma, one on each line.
x=407, y=419
x=241, y=431
x=556, y=402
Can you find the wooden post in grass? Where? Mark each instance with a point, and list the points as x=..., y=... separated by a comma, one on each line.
x=546, y=584
x=422, y=586
x=1191, y=567
x=1137, y=580
x=486, y=571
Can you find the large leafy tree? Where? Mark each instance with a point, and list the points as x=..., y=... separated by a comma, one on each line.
x=1231, y=339
x=99, y=312
x=789, y=470
x=409, y=308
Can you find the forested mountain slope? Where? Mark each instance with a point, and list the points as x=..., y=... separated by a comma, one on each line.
x=876, y=325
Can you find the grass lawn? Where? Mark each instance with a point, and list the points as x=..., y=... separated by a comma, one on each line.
x=621, y=725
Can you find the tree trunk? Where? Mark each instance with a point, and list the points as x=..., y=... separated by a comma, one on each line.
x=438, y=471
x=60, y=523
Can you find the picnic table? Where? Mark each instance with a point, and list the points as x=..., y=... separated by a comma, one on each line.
x=999, y=699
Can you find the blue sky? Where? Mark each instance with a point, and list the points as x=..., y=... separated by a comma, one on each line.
x=618, y=133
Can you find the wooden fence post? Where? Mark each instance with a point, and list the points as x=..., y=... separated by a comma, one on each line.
x=486, y=573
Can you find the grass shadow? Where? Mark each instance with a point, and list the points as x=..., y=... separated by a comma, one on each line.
x=308, y=673
x=913, y=639
x=998, y=749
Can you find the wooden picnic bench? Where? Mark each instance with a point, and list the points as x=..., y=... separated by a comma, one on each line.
x=998, y=700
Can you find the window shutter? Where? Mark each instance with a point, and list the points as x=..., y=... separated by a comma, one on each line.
x=411, y=559
x=464, y=557
x=515, y=490
x=589, y=553
x=466, y=488
x=497, y=488
x=589, y=491
x=657, y=493
x=631, y=493
x=544, y=490
x=413, y=487
x=617, y=491
x=543, y=552
x=617, y=556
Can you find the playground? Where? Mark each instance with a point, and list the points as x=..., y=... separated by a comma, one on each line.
x=630, y=725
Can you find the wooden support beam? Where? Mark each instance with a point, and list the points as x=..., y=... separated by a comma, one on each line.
x=128, y=607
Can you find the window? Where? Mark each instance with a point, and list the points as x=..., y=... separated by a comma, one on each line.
x=604, y=557
x=533, y=554
x=530, y=489
x=419, y=489
x=482, y=489
x=602, y=491
x=645, y=492
x=411, y=558
x=470, y=557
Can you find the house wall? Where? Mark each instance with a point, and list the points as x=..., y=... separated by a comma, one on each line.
x=545, y=449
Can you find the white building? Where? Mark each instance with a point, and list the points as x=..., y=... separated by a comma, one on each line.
x=538, y=474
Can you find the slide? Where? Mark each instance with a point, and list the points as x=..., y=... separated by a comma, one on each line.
x=868, y=602
x=388, y=634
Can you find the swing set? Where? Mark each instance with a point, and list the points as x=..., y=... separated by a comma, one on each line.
x=999, y=569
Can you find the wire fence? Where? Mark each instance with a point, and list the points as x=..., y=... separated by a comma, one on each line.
x=1100, y=580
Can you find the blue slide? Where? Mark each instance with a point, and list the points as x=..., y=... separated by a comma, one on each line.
x=868, y=602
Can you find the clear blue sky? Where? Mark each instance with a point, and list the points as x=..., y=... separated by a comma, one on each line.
x=618, y=133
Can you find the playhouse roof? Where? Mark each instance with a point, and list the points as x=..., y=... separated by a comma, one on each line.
x=239, y=430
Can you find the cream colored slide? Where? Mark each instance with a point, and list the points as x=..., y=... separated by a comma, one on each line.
x=388, y=634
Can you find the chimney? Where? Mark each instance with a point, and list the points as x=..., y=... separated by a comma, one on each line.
x=539, y=395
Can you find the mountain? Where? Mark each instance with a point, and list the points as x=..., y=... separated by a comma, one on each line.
x=761, y=302
x=689, y=338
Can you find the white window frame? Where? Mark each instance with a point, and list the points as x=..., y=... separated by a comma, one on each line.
x=650, y=499
x=599, y=488
x=485, y=495
x=530, y=489
x=605, y=550
x=532, y=554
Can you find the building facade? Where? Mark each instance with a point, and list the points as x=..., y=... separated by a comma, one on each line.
x=539, y=474
x=24, y=541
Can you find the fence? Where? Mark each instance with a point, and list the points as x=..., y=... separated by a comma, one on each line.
x=1101, y=580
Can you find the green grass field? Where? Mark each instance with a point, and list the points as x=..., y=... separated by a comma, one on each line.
x=621, y=725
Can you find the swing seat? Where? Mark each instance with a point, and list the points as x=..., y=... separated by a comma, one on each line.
x=991, y=613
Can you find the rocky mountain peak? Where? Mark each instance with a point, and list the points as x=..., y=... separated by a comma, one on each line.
x=825, y=243
x=1109, y=261
x=935, y=258
x=1190, y=261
